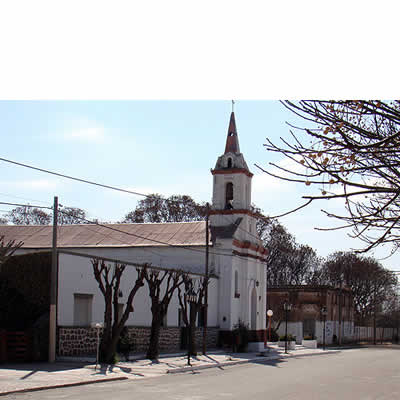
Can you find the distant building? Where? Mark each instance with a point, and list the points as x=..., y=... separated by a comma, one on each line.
x=306, y=319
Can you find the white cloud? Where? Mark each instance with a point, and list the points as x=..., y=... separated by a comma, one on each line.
x=93, y=134
x=38, y=184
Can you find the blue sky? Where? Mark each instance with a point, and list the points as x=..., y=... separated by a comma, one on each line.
x=166, y=147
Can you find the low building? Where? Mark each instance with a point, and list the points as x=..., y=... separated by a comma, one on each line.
x=306, y=319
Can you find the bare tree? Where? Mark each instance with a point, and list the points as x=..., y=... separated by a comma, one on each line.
x=190, y=310
x=162, y=285
x=109, y=279
x=348, y=151
x=8, y=249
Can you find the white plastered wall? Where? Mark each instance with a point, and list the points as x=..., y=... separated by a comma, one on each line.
x=76, y=277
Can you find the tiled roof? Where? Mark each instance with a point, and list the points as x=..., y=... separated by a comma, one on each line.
x=108, y=235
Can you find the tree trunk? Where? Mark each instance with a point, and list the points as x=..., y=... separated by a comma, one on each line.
x=108, y=350
x=153, y=350
x=192, y=330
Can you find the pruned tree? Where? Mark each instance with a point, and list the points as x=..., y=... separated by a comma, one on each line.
x=8, y=249
x=371, y=284
x=162, y=285
x=348, y=151
x=26, y=215
x=157, y=208
x=191, y=309
x=108, y=278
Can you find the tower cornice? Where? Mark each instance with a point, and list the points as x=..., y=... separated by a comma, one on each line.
x=233, y=212
x=227, y=171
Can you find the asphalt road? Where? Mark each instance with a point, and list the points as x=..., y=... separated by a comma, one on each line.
x=371, y=373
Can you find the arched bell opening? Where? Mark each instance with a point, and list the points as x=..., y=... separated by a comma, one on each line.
x=229, y=196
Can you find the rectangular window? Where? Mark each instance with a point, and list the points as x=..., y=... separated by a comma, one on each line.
x=83, y=309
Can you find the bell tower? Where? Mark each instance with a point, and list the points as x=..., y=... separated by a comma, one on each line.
x=232, y=178
x=239, y=257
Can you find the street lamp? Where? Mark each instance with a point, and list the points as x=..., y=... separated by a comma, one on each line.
x=98, y=327
x=270, y=313
x=324, y=312
x=287, y=307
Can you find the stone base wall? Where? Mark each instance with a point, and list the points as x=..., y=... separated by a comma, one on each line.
x=83, y=341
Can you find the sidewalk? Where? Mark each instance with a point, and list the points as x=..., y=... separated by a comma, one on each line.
x=16, y=378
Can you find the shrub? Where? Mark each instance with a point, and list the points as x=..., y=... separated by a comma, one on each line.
x=126, y=343
x=274, y=336
x=290, y=337
x=241, y=332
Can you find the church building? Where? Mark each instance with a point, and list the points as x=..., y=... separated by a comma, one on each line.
x=237, y=289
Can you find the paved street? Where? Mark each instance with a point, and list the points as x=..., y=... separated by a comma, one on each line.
x=367, y=373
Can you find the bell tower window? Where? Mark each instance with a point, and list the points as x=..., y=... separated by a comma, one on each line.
x=229, y=196
x=229, y=162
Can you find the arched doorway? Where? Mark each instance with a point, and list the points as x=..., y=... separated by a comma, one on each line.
x=254, y=309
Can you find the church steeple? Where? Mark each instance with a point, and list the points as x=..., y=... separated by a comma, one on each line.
x=232, y=142
x=232, y=178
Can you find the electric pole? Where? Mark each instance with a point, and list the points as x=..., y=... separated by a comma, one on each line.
x=206, y=288
x=53, y=287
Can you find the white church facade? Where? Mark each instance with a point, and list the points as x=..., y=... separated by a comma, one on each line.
x=237, y=289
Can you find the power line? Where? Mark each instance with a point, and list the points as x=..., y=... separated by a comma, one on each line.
x=73, y=178
x=22, y=198
x=122, y=231
x=24, y=205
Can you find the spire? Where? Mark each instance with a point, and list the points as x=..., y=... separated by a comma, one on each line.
x=232, y=142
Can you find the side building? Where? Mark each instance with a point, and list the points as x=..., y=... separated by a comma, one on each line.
x=312, y=308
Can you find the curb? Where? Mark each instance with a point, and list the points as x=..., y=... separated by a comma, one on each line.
x=228, y=363
x=37, y=388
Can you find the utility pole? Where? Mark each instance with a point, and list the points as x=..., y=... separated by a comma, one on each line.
x=374, y=321
x=53, y=287
x=340, y=308
x=206, y=288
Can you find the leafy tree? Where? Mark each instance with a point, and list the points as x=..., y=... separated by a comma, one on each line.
x=108, y=278
x=370, y=282
x=28, y=216
x=288, y=263
x=176, y=208
x=71, y=215
x=350, y=151
x=162, y=285
x=3, y=221
x=34, y=216
x=389, y=315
